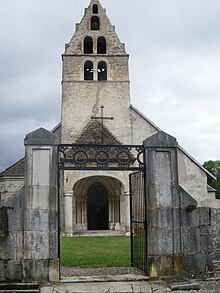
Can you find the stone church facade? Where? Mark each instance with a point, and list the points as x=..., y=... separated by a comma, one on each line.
x=96, y=73
x=96, y=109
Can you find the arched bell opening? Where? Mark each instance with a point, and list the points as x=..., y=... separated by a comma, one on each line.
x=88, y=70
x=88, y=45
x=102, y=70
x=101, y=45
x=95, y=9
x=95, y=23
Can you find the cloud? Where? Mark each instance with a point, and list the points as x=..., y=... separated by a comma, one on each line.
x=174, y=67
x=180, y=93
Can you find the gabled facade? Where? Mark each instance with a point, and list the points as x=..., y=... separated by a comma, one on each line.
x=95, y=74
x=182, y=214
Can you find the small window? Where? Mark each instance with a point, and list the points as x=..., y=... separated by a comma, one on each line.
x=88, y=70
x=101, y=45
x=95, y=9
x=88, y=45
x=95, y=25
x=102, y=71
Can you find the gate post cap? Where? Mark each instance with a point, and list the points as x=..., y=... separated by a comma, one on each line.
x=41, y=136
x=161, y=139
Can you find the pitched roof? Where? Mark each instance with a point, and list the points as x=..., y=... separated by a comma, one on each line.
x=181, y=148
x=17, y=169
x=144, y=117
x=197, y=163
x=92, y=135
x=210, y=189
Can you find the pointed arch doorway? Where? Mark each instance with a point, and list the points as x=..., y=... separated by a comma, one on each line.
x=97, y=207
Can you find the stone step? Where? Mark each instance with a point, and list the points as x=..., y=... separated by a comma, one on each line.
x=159, y=286
x=95, y=233
x=19, y=287
x=107, y=278
x=19, y=291
x=101, y=287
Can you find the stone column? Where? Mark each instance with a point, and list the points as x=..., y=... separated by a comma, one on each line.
x=40, y=259
x=163, y=205
x=68, y=213
x=127, y=212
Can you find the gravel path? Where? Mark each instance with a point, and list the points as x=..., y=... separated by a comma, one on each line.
x=79, y=272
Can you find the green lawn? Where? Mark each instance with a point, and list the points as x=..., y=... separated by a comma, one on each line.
x=95, y=252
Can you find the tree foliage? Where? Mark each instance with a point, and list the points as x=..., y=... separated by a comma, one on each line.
x=214, y=168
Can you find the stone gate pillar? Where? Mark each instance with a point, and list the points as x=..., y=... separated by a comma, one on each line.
x=163, y=220
x=40, y=260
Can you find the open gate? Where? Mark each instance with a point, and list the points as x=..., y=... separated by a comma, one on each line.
x=138, y=220
x=118, y=158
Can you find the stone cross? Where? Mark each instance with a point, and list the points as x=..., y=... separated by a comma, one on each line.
x=102, y=118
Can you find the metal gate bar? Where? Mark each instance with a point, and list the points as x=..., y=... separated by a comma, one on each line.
x=117, y=158
x=138, y=221
x=100, y=157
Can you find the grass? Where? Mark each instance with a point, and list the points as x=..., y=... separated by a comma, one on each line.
x=95, y=252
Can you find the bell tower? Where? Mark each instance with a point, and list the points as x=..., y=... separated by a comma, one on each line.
x=95, y=73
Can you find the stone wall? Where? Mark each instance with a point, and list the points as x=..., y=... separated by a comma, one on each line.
x=196, y=241
x=9, y=187
x=11, y=239
x=214, y=247
x=200, y=241
x=183, y=237
x=107, y=30
x=29, y=219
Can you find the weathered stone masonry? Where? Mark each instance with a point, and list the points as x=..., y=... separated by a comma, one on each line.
x=183, y=217
x=29, y=242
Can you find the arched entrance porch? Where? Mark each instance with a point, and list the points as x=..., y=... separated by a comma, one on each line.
x=98, y=203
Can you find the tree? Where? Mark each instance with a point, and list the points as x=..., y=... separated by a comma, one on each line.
x=214, y=168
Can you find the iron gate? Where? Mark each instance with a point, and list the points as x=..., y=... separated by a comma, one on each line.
x=138, y=220
x=118, y=158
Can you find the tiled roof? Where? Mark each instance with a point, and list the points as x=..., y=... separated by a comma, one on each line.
x=92, y=135
x=16, y=169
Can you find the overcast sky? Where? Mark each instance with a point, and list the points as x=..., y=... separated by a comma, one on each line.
x=174, y=48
